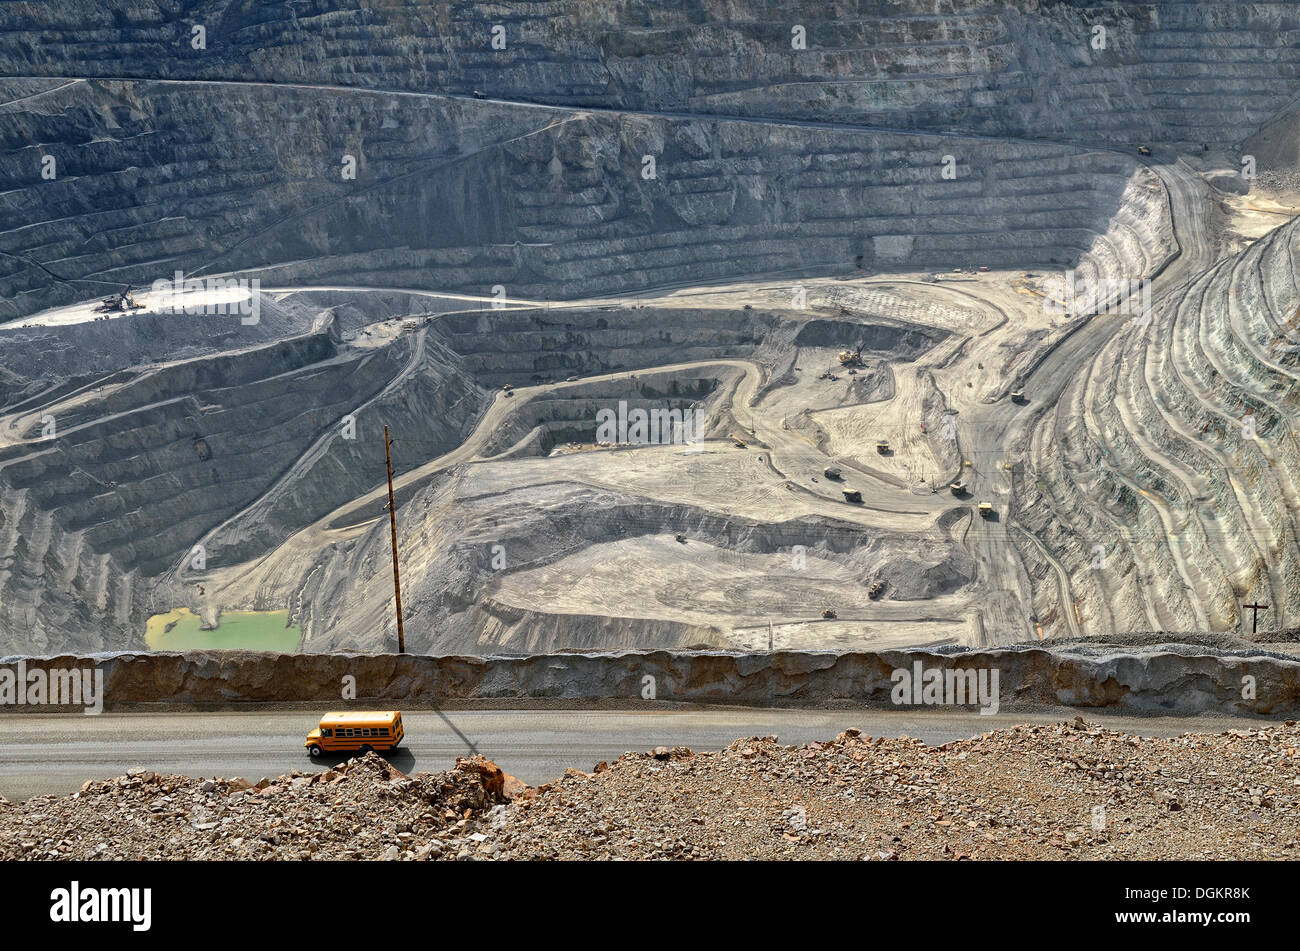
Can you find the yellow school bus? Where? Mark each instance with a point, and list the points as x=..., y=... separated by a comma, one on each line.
x=355, y=732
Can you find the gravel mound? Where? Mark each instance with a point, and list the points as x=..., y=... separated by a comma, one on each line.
x=363, y=808
x=1061, y=792
x=1068, y=791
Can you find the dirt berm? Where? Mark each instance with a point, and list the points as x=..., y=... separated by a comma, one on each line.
x=1151, y=682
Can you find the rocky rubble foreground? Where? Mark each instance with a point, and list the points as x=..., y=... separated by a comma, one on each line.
x=1068, y=791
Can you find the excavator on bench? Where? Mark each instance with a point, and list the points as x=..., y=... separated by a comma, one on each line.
x=121, y=303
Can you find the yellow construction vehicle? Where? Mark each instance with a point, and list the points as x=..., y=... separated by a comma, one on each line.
x=986, y=509
x=740, y=443
x=882, y=446
x=123, y=301
x=851, y=358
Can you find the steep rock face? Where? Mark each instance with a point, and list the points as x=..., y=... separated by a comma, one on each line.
x=538, y=345
x=138, y=469
x=1027, y=68
x=1153, y=682
x=104, y=433
x=466, y=197
x=425, y=394
x=43, y=362
x=1181, y=428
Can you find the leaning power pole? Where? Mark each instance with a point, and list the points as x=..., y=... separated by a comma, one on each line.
x=392, y=523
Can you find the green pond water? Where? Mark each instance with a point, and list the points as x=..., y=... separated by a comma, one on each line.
x=181, y=630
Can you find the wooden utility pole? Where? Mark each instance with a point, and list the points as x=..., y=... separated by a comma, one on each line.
x=392, y=523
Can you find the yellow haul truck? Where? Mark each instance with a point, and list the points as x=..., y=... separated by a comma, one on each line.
x=355, y=732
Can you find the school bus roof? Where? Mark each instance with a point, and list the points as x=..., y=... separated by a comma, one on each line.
x=359, y=716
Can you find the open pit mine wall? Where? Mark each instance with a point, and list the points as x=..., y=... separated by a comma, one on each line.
x=1179, y=72
x=246, y=442
x=1155, y=683
x=462, y=196
x=1173, y=454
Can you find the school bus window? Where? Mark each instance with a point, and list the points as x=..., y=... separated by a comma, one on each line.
x=383, y=729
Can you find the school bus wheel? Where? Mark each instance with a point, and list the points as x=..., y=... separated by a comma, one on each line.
x=314, y=750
